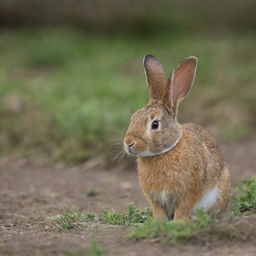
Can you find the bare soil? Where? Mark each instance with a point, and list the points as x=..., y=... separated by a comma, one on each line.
x=32, y=193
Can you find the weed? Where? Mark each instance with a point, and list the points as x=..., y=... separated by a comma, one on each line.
x=89, y=217
x=68, y=220
x=134, y=216
x=72, y=220
x=92, y=192
x=112, y=217
x=245, y=196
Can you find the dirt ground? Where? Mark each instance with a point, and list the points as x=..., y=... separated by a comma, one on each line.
x=32, y=192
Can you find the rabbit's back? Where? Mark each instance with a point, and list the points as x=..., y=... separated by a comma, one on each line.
x=202, y=141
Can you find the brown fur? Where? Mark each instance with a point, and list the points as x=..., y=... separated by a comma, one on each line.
x=179, y=165
x=155, y=76
x=192, y=167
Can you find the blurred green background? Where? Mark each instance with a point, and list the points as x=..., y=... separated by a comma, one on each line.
x=71, y=71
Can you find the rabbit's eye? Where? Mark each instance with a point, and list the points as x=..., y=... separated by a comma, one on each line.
x=155, y=125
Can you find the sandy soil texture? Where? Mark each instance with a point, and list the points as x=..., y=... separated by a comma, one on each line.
x=31, y=193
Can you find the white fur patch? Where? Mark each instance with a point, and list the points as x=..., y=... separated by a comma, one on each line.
x=166, y=199
x=161, y=197
x=171, y=147
x=208, y=200
x=149, y=153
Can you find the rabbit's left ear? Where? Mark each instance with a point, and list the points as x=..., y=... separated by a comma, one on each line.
x=155, y=77
x=181, y=81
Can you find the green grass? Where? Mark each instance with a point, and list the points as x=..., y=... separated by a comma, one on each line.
x=91, y=192
x=70, y=95
x=245, y=197
x=173, y=231
x=72, y=220
x=133, y=215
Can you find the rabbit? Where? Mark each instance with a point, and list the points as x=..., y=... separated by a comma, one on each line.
x=180, y=166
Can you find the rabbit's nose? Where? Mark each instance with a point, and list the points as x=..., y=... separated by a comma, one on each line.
x=131, y=144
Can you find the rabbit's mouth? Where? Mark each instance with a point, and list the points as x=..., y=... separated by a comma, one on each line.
x=133, y=151
x=129, y=151
x=134, y=145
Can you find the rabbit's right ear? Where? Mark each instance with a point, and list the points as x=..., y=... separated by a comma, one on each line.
x=155, y=77
x=181, y=81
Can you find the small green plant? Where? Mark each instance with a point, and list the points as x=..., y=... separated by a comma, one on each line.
x=68, y=220
x=72, y=220
x=89, y=216
x=112, y=217
x=245, y=197
x=92, y=192
x=170, y=230
x=134, y=216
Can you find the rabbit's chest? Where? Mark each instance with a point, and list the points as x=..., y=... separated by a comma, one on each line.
x=162, y=179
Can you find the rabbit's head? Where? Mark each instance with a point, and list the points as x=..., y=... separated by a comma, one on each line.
x=154, y=129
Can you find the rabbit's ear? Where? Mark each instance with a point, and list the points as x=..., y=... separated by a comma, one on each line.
x=155, y=76
x=181, y=81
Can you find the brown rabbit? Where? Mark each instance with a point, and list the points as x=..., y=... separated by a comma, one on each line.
x=181, y=168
